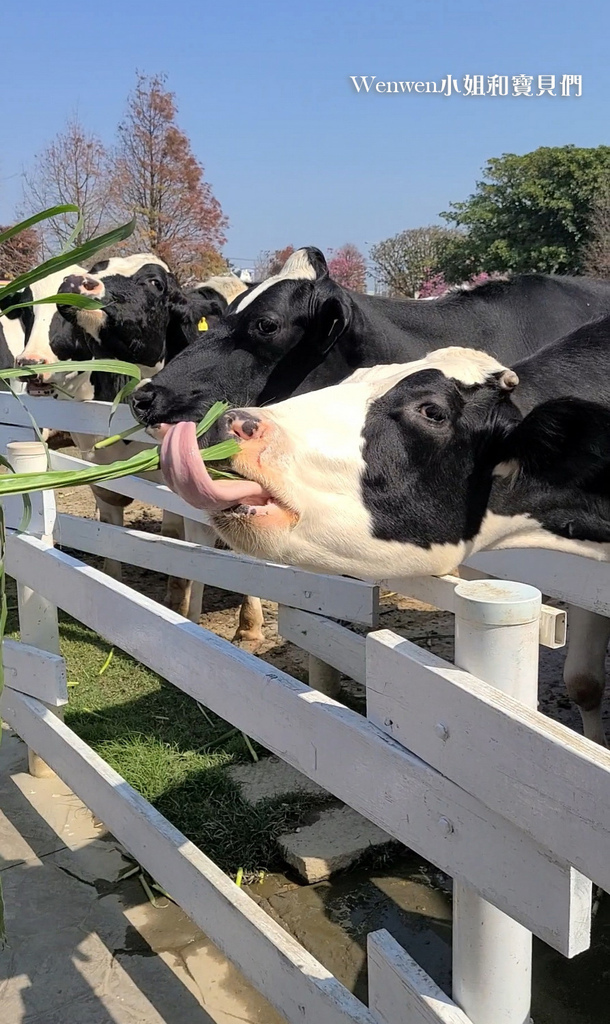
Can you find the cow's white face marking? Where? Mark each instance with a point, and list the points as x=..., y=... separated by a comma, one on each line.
x=297, y=267
x=309, y=457
x=38, y=346
x=128, y=265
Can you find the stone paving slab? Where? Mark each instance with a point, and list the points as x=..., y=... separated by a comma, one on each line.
x=340, y=837
x=271, y=777
x=336, y=840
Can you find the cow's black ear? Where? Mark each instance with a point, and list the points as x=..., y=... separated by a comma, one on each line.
x=317, y=261
x=332, y=313
x=563, y=441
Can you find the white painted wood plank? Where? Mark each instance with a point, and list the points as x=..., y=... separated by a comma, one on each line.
x=564, y=577
x=75, y=417
x=435, y=590
x=34, y=672
x=289, y=977
x=336, y=747
x=400, y=991
x=325, y=595
x=546, y=778
x=333, y=644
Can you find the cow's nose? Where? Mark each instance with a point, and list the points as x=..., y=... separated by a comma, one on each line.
x=141, y=400
x=243, y=424
x=23, y=361
x=82, y=285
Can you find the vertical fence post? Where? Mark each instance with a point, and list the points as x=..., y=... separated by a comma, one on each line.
x=496, y=638
x=323, y=677
x=37, y=617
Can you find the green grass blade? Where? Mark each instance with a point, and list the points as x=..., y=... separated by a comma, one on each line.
x=95, y=365
x=222, y=450
x=69, y=299
x=70, y=240
x=53, y=211
x=213, y=414
x=57, y=263
x=107, y=442
x=124, y=393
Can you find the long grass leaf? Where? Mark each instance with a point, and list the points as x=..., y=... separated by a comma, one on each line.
x=107, y=442
x=57, y=263
x=93, y=365
x=67, y=299
x=76, y=230
x=23, y=225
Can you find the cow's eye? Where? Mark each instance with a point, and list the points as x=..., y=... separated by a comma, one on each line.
x=432, y=412
x=267, y=326
x=155, y=282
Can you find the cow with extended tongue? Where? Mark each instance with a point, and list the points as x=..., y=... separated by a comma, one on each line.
x=408, y=470
x=300, y=331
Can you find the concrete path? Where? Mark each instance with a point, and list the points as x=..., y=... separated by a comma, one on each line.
x=85, y=946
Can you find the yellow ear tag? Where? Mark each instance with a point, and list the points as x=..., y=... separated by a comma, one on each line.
x=202, y=325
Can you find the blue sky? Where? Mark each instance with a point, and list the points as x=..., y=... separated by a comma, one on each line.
x=294, y=153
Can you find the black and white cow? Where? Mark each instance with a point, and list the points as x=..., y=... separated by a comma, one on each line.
x=299, y=331
x=146, y=319
x=406, y=470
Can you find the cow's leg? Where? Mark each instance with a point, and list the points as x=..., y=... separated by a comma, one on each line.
x=250, y=625
x=178, y=590
x=110, y=508
x=197, y=533
x=584, y=671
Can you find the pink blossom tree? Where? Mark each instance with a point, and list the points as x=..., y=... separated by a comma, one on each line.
x=347, y=266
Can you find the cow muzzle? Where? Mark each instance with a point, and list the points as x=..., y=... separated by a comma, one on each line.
x=35, y=384
x=77, y=284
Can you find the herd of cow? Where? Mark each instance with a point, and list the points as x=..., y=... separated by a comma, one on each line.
x=379, y=438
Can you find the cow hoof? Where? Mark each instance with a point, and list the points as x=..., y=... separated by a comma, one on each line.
x=249, y=641
x=177, y=603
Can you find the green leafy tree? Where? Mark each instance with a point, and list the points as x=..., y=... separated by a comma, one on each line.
x=529, y=213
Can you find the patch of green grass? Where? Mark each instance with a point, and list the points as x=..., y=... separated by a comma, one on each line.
x=158, y=739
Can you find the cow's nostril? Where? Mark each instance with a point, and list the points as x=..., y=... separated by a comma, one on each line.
x=141, y=399
x=22, y=361
x=242, y=423
x=90, y=284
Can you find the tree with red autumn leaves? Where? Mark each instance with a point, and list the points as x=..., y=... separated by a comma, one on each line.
x=20, y=253
x=271, y=262
x=157, y=177
x=347, y=266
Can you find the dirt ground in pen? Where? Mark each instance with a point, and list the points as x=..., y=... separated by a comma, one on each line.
x=408, y=897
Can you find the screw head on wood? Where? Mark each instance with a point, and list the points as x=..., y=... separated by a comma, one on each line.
x=441, y=731
x=445, y=826
x=387, y=721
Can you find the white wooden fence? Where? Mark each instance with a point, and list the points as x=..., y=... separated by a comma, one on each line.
x=453, y=760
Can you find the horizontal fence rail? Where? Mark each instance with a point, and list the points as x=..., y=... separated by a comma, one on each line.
x=315, y=592
x=332, y=745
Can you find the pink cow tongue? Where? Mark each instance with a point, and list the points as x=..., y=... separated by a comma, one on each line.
x=185, y=472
